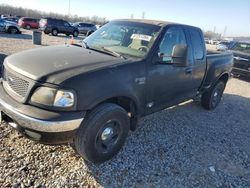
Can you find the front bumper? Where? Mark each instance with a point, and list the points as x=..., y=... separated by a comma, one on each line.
x=39, y=124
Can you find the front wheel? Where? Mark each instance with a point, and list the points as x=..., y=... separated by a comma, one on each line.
x=103, y=133
x=13, y=30
x=211, y=98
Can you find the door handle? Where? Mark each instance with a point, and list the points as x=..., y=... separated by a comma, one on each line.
x=188, y=70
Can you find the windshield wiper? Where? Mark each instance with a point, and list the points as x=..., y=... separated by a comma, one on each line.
x=113, y=52
x=103, y=49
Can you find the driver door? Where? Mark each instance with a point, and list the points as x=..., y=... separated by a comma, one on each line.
x=169, y=84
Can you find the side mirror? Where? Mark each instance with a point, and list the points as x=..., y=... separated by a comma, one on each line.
x=179, y=55
x=177, y=58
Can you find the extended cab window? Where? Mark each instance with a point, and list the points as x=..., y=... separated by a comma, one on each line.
x=172, y=37
x=197, y=43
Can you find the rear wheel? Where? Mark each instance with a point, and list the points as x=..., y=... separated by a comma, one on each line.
x=212, y=98
x=27, y=27
x=75, y=34
x=54, y=32
x=103, y=133
x=89, y=33
x=13, y=30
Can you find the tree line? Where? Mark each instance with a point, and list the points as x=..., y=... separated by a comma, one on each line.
x=24, y=12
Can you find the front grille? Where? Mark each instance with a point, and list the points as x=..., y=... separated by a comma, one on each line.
x=15, y=84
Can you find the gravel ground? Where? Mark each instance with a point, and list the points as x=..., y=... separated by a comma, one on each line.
x=183, y=146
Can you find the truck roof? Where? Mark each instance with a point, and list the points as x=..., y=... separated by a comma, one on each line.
x=154, y=22
x=146, y=21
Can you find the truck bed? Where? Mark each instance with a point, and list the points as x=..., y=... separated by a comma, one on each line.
x=217, y=63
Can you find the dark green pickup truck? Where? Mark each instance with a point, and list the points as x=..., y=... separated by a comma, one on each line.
x=92, y=94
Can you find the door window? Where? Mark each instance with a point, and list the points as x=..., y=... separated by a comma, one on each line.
x=66, y=24
x=197, y=44
x=172, y=37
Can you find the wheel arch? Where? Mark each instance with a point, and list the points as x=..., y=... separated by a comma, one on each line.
x=224, y=77
x=11, y=26
x=128, y=103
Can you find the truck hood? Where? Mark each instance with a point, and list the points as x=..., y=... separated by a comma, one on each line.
x=55, y=64
x=10, y=23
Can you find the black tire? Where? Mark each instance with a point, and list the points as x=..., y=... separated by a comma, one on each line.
x=75, y=33
x=46, y=32
x=13, y=30
x=90, y=32
x=54, y=32
x=67, y=34
x=2, y=57
x=94, y=140
x=211, y=98
x=28, y=27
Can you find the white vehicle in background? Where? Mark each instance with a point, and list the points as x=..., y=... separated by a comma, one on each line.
x=214, y=42
x=221, y=47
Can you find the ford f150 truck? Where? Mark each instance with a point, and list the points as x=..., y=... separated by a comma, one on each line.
x=91, y=95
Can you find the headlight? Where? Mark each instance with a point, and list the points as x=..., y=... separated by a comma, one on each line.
x=53, y=97
x=64, y=99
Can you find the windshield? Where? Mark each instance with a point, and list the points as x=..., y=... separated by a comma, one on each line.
x=125, y=38
x=244, y=47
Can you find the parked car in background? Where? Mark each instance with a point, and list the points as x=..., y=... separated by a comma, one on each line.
x=85, y=28
x=206, y=40
x=12, y=19
x=56, y=26
x=241, y=52
x=222, y=46
x=9, y=27
x=28, y=23
x=214, y=42
x=225, y=45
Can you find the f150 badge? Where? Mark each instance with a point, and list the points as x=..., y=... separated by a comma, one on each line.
x=140, y=81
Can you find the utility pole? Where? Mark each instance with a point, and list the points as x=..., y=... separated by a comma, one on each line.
x=214, y=29
x=69, y=8
x=225, y=31
x=143, y=15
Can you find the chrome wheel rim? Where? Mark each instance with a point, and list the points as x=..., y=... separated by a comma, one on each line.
x=108, y=136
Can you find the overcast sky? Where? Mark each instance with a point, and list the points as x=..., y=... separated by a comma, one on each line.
x=209, y=14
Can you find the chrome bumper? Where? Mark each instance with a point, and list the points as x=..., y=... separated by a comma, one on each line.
x=38, y=124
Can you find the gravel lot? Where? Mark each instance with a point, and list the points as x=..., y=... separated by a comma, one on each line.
x=183, y=146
